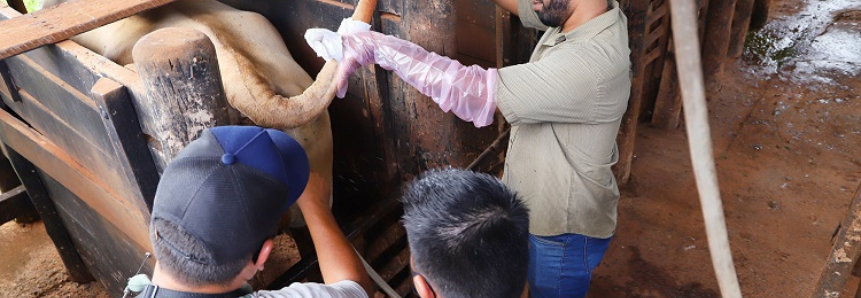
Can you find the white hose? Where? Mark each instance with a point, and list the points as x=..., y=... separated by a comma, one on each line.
x=688, y=61
x=384, y=286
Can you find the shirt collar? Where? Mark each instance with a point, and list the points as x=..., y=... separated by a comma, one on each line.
x=586, y=30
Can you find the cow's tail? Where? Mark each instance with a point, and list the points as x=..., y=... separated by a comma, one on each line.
x=270, y=109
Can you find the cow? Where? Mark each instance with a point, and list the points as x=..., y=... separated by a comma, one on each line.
x=261, y=79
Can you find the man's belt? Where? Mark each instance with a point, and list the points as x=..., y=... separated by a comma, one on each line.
x=154, y=291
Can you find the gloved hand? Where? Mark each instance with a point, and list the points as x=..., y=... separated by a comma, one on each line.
x=467, y=91
x=327, y=44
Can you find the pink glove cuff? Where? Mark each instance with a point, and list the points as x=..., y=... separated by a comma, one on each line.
x=467, y=91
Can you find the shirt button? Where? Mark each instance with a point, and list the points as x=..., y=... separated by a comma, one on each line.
x=560, y=39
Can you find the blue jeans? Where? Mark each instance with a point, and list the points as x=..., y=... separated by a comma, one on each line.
x=561, y=266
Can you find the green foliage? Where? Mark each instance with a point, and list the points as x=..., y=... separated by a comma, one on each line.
x=32, y=5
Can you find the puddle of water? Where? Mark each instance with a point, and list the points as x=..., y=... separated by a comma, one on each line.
x=804, y=42
x=841, y=48
x=766, y=48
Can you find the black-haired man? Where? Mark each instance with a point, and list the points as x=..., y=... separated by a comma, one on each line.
x=468, y=235
x=217, y=206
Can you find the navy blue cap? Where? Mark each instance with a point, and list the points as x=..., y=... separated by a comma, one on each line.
x=229, y=189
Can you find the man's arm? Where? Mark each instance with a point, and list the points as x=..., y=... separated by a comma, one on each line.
x=338, y=261
x=573, y=85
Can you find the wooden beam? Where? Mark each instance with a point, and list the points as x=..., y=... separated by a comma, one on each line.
x=57, y=163
x=740, y=27
x=636, y=12
x=53, y=224
x=8, y=83
x=761, y=10
x=717, y=37
x=844, y=254
x=668, y=104
x=124, y=130
x=65, y=20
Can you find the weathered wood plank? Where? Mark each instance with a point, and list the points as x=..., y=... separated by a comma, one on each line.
x=61, y=133
x=101, y=161
x=7, y=85
x=844, y=254
x=130, y=149
x=740, y=26
x=717, y=37
x=53, y=59
x=82, y=68
x=109, y=254
x=657, y=41
x=761, y=10
x=57, y=163
x=668, y=105
x=53, y=224
x=65, y=20
x=476, y=35
x=636, y=12
x=703, y=16
x=55, y=97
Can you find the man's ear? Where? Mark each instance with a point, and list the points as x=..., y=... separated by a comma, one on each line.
x=264, y=254
x=422, y=287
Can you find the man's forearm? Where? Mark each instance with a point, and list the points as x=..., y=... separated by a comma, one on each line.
x=338, y=261
x=509, y=5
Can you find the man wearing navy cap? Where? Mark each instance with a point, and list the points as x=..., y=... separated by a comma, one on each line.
x=217, y=207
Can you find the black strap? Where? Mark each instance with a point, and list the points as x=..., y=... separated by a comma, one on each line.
x=153, y=291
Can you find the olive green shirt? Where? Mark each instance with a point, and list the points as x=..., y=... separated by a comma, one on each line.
x=565, y=107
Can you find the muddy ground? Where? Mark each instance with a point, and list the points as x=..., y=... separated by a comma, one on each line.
x=787, y=137
x=786, y=126
x=30, y=266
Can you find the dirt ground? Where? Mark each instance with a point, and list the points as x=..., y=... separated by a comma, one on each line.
x=786, y=128
x=30, y=266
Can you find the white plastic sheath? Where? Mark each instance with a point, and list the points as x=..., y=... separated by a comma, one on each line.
x=688, y=61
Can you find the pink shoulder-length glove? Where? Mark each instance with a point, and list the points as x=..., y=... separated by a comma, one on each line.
x=467, y=91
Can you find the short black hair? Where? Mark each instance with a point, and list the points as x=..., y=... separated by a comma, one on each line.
x=468, y=234
x=168, y=238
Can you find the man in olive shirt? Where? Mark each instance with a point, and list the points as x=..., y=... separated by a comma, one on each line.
x=565, y=107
